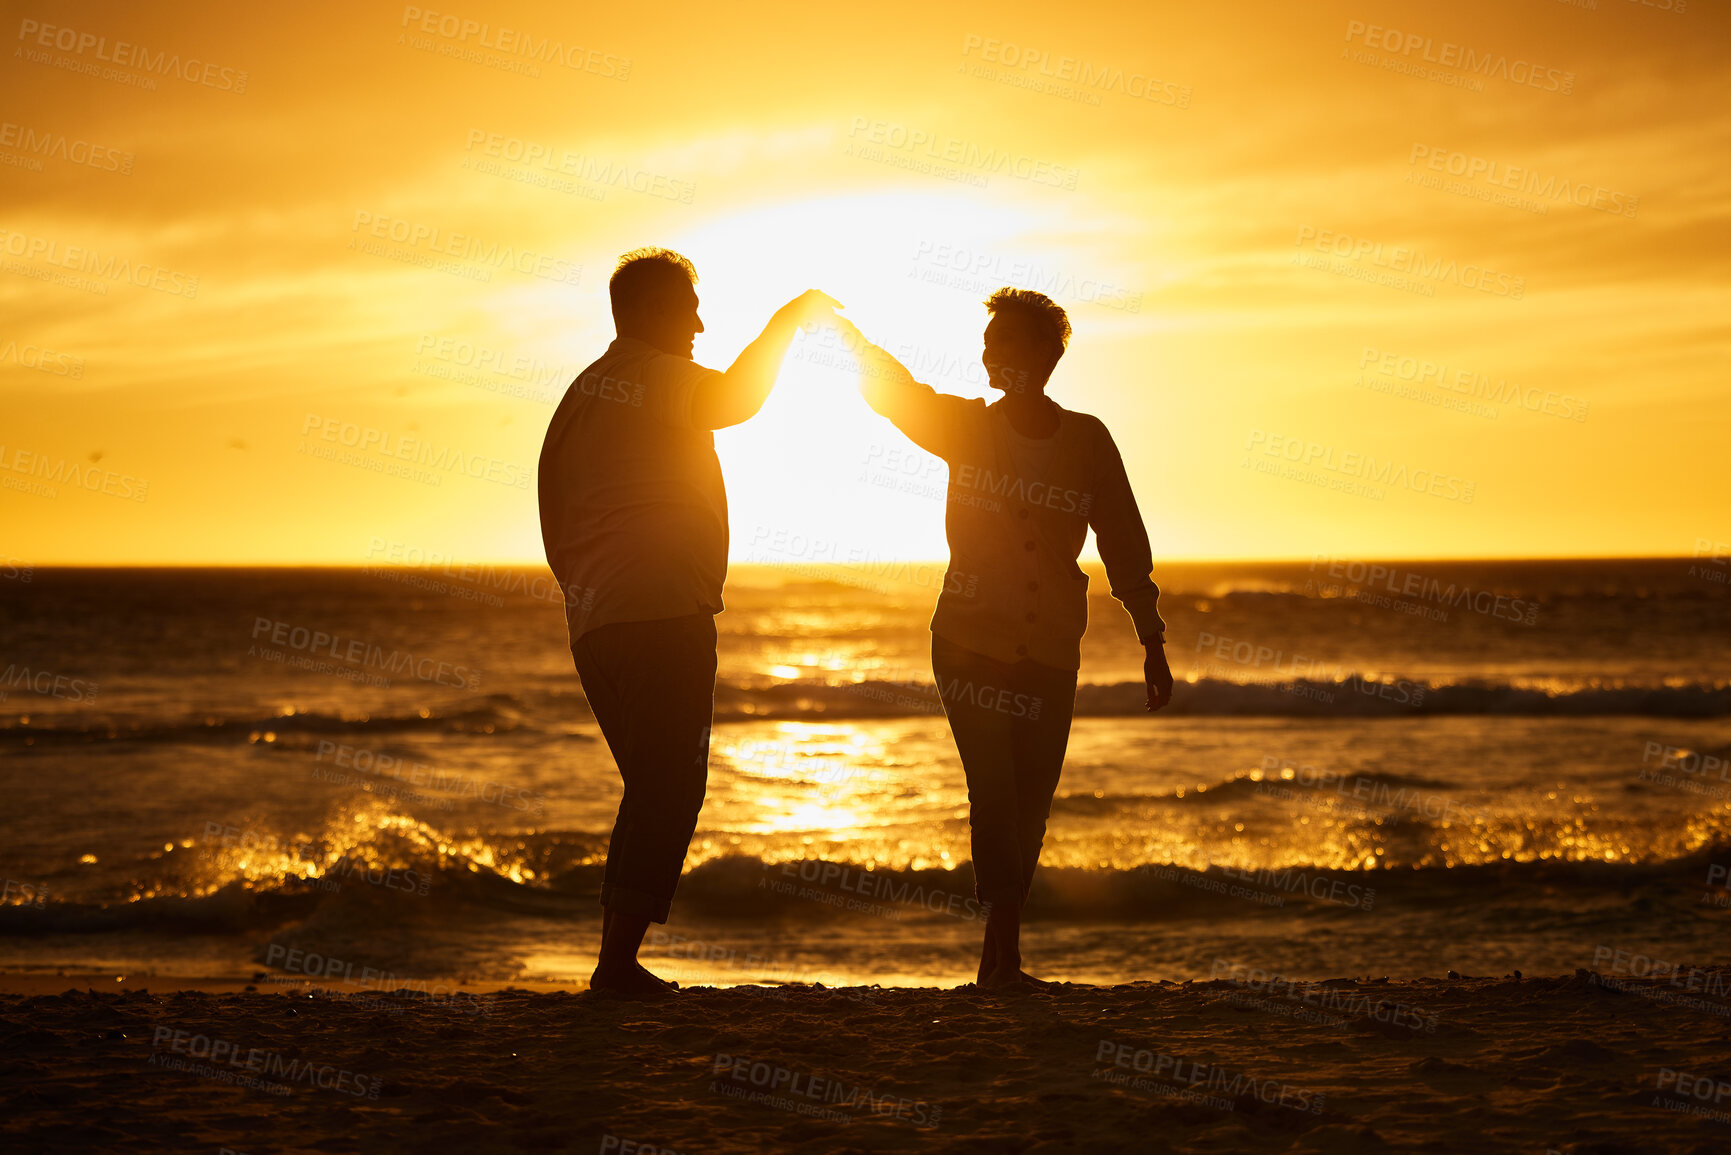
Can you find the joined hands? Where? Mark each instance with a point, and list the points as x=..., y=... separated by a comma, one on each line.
x=810, y=309
x=815, y=309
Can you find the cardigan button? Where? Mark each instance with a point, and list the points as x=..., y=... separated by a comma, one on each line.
x=1028, y=545
x=1032, y=616
x=1021, y=651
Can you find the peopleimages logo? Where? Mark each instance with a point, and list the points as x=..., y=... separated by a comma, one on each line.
x=1105, y=77
x=581, y=166
x=449, y=782
x=515, y=42
x=467, y=354
x=1473, y=384
x=1373, y=577
x=57, y=146
x=1359, y=466
x=463, y=246
x=1365, y=791
x=1401, y=259
x=1234, y=1085
x=46, y=472
x=882, y=884
x=385, y=451
x=44, y=682
x=359, y=653
x=1522, y=180
x=170, y=1047
x=980, y=268
x=983, y=479
x=809, y=1092
x=82, y=259
x=941, y=146
x=192, y=70
x=1490, y=65
x=41, y=359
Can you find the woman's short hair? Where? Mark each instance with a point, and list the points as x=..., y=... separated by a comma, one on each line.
x=1042, y=315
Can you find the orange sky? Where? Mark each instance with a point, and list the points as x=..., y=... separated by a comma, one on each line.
x=1333, y=269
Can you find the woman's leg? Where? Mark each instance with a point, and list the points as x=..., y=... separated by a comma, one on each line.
x=970, y=685
x=1001, y=957
x=1040, y=738
x=1039, y=735
x=1039, y=710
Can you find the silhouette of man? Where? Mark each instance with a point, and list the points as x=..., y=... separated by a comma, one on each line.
x=634, y=520
x=1027, y=480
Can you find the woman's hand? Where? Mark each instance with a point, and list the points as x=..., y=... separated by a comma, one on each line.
x=1158, y=675
x=874, y=361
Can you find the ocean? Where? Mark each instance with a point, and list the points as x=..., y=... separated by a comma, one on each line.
x=1394, y=768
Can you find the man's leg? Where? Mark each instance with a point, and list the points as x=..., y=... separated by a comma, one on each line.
x=616, y=966
x=668, y=691
x=655, y=711
x=620, y=939
x=602, y=694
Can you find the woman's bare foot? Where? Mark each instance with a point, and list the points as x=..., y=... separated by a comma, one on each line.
x=1001, y=953
x=631, y=982
x=988, y=960
x=1011, y=979
x=1014, y=978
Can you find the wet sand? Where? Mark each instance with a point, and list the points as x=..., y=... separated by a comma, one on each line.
x=1571, y=1064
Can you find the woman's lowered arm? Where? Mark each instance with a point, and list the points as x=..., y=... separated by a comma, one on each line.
x=1123, y=542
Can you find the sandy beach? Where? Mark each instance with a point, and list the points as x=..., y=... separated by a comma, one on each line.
x=1014, y=579
x=1577, y=1064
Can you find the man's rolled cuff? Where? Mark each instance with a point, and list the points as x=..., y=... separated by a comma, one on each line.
x=625, y=900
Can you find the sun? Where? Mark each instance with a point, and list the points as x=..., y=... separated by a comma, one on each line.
x=817, y=477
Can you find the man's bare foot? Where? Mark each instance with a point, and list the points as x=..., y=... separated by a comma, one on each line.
x=1014, y=978
x=631, y=982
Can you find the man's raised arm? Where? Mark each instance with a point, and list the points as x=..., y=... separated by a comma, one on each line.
x=740, y=392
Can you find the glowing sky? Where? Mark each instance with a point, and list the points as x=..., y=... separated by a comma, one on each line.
x=1283, y=232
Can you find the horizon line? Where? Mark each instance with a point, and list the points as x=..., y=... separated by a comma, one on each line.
x=517, y=563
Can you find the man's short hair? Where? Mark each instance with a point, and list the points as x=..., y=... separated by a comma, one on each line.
x=643, y=274
x=1039, y=313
